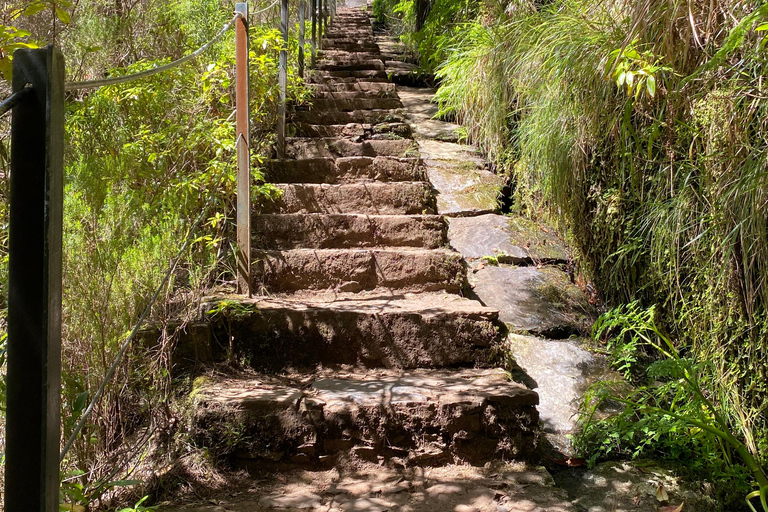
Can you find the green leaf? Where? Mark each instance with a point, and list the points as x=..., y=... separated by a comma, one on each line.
x=123, y=483
x=34, y=8
x=80, y=402
x=650, y=85
x=62, y=15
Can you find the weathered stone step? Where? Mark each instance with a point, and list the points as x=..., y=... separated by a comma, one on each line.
x=352, y=73
x=350, y=65
x=351, y=104
x=426, y=417
x=350, y=45
x=370, y=87
x=355, y=95
x=374, y=330
x=356, y=116
x=345, y=170
x=321, y=231
x=301, y=148
x=355, y=131
x=397, y=198
x=352, y=32
x=345, y=56
x=317, y=78
x=353, y=270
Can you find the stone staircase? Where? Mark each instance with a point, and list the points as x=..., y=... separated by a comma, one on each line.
x=360, y=341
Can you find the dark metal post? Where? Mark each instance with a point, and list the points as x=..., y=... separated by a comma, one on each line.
x=313, y=11
x=244, y=282
x=34, y=302
x=302, y=9
x=320, y=28
x=282, y=79
x=325, y=17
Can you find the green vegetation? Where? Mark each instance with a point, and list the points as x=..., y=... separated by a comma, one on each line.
x=142, y=161
x=639, y=127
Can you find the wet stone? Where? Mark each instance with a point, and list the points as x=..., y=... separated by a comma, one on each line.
x=560, y=372
x=542, y=301
x=507, y=239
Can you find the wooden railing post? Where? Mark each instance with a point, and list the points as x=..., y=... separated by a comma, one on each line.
x=34, y=290
x=282, y=79
x=302, y=8
x=244, y=281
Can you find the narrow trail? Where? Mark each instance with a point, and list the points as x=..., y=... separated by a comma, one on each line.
x=368, y=372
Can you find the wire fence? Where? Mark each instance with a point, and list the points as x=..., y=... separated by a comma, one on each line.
x=93, y=84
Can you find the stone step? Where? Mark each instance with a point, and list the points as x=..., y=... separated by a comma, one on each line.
x=351, y=33
x=351, y=104
x=355, y=95
x=302, y=148
x=350, y=65
x=350, y=45
x=370, y=87
x=345, y=170
x=378, y=329
x=354, y=270
x=351, y=73
x=345, y=56
x=317, y=78
x=397, y=198
x=321, y=231
x=356, y=116
x=354, y=131
x=424, y=417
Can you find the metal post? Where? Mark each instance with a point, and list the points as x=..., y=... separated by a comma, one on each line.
x=313, y=13
x=34, y=302
x=321, y=28
x=282, y=79
x=302, y=8
x=324, y=16
x=244, y=282
x=333, y=10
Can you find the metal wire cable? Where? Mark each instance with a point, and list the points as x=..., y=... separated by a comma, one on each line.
x=264, y=9
x=14, y=99
x=92, y=84
x=124, y=348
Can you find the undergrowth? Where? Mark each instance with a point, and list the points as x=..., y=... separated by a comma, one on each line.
x=142, y=161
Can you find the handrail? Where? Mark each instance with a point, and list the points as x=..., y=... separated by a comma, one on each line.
x=14, y=99
x=92, y=84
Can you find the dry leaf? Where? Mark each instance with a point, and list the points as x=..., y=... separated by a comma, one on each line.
x=661, y=494
x=672, y=508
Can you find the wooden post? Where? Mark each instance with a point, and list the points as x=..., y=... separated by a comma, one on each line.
x=313, y=6
x=34, y=298
x=302, y=8
x=282, y=79
x=244, y=282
